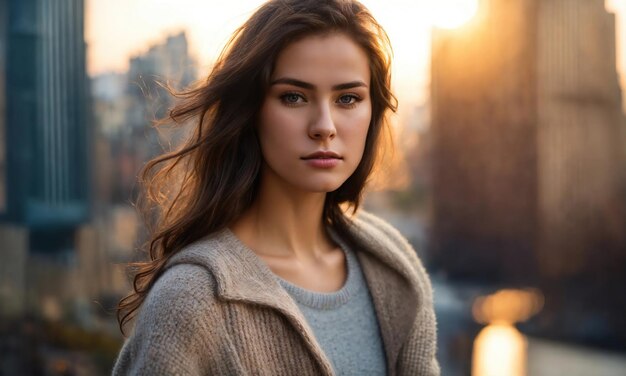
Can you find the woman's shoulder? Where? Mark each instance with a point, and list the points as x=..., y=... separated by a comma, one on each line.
x=194, y=273
x=176, y=296
x=188, y=274
x=174, y=326
x=190, y=280
x=186, y=283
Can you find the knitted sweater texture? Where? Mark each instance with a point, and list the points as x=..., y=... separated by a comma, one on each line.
x=219, y=310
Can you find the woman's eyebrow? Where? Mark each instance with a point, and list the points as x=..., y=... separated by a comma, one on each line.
x=349, y=85
x=309, y=86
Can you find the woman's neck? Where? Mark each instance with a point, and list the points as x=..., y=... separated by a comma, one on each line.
x=285, y=222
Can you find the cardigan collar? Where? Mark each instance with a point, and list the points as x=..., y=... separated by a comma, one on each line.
x=394, y=285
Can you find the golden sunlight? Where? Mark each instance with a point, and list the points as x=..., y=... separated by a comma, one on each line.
x=507, y=306
x=499, y=349
x=450, y=14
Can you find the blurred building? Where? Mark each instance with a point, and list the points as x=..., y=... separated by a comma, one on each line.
x=580, y=140
x=164, y=65
x=45, y=163
x=528, y=141
x=167, y=63
x=127, y=106
x=108, y=91
x=484, y=142
x=3, y=96
x=47, y=130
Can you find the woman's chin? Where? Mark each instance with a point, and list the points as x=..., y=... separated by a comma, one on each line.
x=320, y=187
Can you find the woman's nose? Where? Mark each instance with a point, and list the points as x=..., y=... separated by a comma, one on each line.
x=323, y=127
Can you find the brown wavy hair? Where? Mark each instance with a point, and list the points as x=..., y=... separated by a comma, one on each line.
x=209, y=181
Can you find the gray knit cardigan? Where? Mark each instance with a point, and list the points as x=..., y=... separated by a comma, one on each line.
x=219, y=310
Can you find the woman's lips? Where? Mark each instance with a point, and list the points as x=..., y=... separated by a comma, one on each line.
x=323, y=154
x=322, y=159
x=322, y=162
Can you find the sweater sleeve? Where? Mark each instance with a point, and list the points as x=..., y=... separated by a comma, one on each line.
x=179, y=329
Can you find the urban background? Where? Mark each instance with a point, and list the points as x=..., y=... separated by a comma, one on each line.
x=509, y=175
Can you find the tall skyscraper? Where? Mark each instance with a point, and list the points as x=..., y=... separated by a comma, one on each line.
x=47, y=131
x=528, y=158
x=3, y=96
x=580, y=140
x=167, y=62
x=483, y=142
x=528, y=161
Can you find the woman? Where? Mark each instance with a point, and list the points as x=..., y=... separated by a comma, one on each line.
x=257, y=265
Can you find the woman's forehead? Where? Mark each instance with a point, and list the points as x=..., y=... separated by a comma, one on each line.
x=323, y=60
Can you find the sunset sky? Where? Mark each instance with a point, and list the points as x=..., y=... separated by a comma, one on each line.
x=118, y=29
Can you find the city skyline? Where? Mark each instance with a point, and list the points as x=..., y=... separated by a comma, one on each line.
x=139, y=24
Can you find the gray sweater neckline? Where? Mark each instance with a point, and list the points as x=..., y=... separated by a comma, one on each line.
x=327, y=300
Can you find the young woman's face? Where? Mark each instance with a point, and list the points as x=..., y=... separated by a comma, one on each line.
x=315, y=117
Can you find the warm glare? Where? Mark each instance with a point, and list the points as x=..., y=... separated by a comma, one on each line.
x=450, y=14
x=507, y=306
x=499, y=350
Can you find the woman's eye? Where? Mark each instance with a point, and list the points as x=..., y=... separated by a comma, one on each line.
x=292, y=98
x=348, y=99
